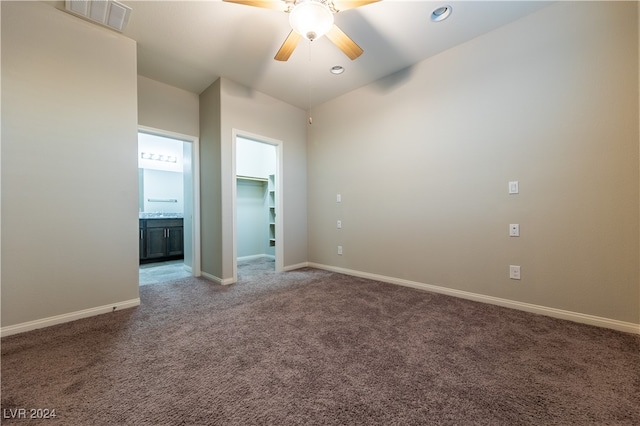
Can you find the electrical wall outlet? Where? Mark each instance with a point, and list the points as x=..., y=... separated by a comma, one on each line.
x=514, y=272
x=514, y=230
x=340, y=250
x=339, y=224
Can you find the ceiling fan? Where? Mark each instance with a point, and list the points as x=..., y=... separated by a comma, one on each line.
x=311, y=19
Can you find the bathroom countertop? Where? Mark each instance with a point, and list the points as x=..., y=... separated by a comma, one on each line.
x=160, y=215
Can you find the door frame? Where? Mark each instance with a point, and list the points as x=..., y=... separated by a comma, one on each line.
x=279, y=198
x=195, y=169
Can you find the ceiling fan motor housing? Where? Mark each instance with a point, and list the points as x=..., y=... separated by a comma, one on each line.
x=311, y=19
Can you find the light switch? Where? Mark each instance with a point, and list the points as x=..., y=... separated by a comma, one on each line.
x=514, y=230
x=513, y=187
x=338, y=198
x=339, y=224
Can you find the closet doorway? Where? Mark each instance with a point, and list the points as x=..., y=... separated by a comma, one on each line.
x=257, y=202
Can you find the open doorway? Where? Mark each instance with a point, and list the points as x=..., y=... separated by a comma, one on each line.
x=257, y=201
x=167, y=212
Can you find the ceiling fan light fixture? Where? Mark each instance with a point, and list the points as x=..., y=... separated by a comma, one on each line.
x=311, y=19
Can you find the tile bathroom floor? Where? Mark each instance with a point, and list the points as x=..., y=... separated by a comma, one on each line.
x=160, y=272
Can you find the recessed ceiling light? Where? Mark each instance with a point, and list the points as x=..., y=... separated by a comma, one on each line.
x=337, y=70
x=441, y=13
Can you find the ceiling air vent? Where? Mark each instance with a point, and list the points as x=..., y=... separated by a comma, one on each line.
x=109, y=13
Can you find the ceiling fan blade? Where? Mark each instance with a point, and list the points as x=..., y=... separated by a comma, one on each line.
x=351, y=4
x=288, y=46
x=265, y=4
x=344, y=42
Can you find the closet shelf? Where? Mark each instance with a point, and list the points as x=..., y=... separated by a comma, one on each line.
x=271, y=187
x=259, y=179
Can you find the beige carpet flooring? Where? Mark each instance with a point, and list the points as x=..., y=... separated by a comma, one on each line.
x=311, y=347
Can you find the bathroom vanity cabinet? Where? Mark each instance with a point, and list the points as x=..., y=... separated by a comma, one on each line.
x=161, y=238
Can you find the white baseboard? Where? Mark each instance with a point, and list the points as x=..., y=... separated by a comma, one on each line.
x=294, y=267
x=217, y=280
x=72, y=316
x=528, y=307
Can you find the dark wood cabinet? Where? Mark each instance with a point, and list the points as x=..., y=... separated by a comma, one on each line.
x=155, y=242
x=161, y=239
x=175, y=241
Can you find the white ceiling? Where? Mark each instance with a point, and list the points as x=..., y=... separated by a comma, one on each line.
x=190, y=44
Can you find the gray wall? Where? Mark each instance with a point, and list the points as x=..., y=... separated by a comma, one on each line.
x=69, y=166
x=423, y=158
x=210, y=182
x=168, y=108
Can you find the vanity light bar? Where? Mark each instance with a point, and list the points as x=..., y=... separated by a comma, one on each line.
x=159, y=157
